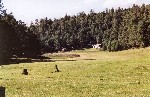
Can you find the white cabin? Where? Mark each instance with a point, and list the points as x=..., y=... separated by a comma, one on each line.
x=97, y=46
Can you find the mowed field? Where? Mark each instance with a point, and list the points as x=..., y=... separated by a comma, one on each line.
x=93, y=74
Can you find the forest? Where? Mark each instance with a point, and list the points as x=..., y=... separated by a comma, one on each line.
x=116, y=29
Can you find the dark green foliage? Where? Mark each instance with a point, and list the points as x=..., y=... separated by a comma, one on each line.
x=7, y=37
x=16, y=39
x=6, y=42
x=118, y=29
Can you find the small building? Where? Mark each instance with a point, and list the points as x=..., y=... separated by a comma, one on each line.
x=97, y=46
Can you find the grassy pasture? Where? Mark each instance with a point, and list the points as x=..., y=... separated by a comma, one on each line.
x=93, y=74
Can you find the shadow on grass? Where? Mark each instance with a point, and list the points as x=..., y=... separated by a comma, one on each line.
x=32, y=60
x=64, y=60
x=89, y=59
x=26, y=60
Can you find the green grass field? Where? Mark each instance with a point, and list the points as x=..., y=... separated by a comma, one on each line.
x=93, y=74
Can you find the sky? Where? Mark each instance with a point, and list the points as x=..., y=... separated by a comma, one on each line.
x=29, y=10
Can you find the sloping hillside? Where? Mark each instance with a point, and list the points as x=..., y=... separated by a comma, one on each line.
x=94, y=73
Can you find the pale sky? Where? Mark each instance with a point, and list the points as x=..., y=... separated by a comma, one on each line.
x=29, y=10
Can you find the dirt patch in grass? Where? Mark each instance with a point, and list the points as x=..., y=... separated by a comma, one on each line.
x=61, y=55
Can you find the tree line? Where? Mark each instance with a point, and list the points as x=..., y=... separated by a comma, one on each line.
x=116, y=29
x=16, y=39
